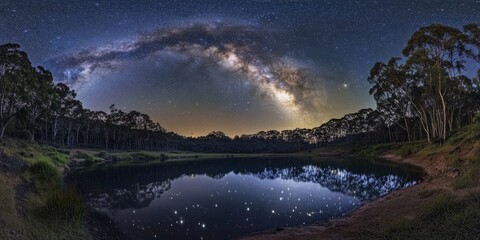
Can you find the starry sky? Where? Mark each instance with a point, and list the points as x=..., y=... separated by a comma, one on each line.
x=234, y=66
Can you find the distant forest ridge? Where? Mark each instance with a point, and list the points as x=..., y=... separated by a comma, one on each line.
x=423, y=95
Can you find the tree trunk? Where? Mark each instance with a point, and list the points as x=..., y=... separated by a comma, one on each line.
x=444, y=109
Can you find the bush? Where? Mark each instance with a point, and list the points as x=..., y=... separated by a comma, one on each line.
x=79, y=154
x=65, y=205
x=143, y=157
x=137, y=156
x=46, y=173
x=102, y=154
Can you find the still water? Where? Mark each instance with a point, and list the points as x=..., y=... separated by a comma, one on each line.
x=228, y=198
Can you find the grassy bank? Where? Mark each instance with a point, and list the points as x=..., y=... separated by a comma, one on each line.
x=445, y=205
x=94, y=156
x=445, y=217
x=34, y=205
x=451, y=211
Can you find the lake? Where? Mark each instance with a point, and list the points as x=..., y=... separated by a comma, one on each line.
x=232, y=197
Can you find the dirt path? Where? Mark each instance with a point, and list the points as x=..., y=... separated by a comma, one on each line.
x=11, y=165
x=401, y=204
x=22, y=189
x=14, y=168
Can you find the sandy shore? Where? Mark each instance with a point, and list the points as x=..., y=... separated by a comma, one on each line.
x=404, y=203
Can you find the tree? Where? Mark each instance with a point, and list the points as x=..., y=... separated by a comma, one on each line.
x=436, y=57
x=37, y=96
x=15, y=75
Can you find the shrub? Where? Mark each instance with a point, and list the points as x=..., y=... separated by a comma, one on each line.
x=46, y=173
x=102, y=154
x=65, y=205
x=143, y=157
x=79, y=154
x=137, y=156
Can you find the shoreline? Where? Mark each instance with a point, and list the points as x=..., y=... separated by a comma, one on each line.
x=296, y=232
x=411, y=199
x=102, y=227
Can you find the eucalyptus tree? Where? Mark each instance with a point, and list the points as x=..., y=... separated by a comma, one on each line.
x=436, y=57
x=393, y=93
x=37, y=97
x=15, y=76
x=63, y=105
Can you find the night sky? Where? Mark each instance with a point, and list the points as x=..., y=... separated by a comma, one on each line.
x=234, y=66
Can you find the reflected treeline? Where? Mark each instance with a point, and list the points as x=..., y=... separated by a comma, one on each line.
x=362, y=186
x=135, y=196
x=135, y=186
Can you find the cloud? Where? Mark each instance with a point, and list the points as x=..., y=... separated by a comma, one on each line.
x=241, y=49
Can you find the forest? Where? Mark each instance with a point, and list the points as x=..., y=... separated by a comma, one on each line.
x=423, y=95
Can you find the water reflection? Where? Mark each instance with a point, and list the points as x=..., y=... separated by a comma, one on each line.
x=225, y=198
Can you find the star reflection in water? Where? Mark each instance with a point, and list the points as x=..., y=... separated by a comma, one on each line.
x=221, y=199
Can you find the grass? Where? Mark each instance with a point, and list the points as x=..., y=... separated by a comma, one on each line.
x=55, y=214
x=468, y=163
x=469, y=175
x=138, y=156
x=52, y=229
x=30, y=153
x=87, y=157
x=65, y=205
x=447, y=215
x=466, y=140
x=58, y=216
x=127, y=157
x=467, y=134
x=50, y=212
x=404, y=149
x=443, y=218
x=45, y=173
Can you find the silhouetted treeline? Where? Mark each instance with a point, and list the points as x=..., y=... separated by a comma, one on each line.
x=421, y=96
x=424, y=95
x=33, y=107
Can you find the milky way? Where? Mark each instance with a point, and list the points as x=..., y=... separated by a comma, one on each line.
x=235, y=66
x=240, y=49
